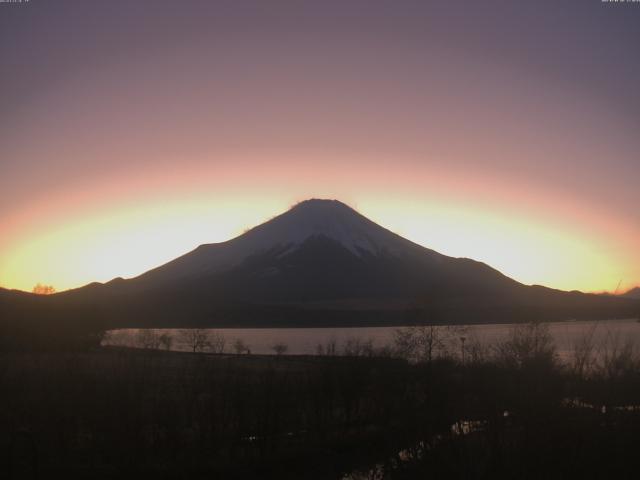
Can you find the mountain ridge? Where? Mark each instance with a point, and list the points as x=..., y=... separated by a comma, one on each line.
x=633, y=293
x=320, y=263
x=314, y=217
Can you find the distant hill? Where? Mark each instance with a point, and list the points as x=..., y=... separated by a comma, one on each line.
x=321, y=263
x=633, y=293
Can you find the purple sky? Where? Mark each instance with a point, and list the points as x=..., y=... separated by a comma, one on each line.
x=530, y=107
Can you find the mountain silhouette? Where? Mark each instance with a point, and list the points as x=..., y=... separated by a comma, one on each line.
x=633, y=293
x=319, y=264
x=321, y=250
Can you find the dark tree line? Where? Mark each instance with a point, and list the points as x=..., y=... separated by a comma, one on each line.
x=515, y=412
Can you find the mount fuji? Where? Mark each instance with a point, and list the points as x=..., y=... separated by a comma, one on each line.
x=322, y=239
x=319, y=264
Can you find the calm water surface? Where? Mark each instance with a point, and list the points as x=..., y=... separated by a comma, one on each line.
x=301, y=341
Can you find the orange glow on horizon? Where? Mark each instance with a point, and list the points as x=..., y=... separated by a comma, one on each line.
x=71, y=241
x=118, y=154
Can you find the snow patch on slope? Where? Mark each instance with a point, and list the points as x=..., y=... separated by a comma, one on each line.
x=286, y=232
x=328, y=218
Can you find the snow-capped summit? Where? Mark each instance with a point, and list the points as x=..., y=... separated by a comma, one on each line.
x=321, y=263
x=311, y=219
x=328, y=218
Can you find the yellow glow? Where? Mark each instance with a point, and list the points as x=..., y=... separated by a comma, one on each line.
x=124, y=243
x=530, y=253
x=72, y=241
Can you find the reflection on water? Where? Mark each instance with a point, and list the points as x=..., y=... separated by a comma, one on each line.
x=310, y=341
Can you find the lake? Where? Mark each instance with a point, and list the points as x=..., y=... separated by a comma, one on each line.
x=305, y=341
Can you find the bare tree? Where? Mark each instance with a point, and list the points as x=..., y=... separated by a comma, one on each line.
x=40, y=289
x=618, y=357
x=166, y=340
x=527, y=344
x=239, y=346
x=425, y=343
x=452, y=341
x=419, y=344
x=405, y=342
x=196, y=339
x=328, y=349
x=474, y=350
x=583, y=353
x=217, y=342
x=280, y=348
x=357, y=347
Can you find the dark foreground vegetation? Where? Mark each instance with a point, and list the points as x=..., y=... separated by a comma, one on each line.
x=513, y=413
